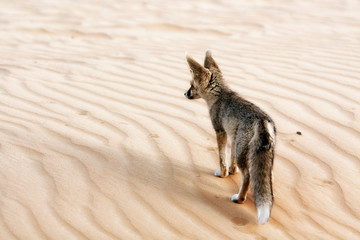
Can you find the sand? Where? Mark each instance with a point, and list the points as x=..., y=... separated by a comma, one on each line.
x=97, y=140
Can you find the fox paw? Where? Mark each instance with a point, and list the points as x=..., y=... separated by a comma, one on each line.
x=237, y=199
x=221, y=173
x=233, y=169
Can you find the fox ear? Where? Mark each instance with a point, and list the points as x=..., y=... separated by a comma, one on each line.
x=198, y=71
x=210, y=62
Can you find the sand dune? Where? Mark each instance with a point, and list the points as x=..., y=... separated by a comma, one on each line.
x=98, y=142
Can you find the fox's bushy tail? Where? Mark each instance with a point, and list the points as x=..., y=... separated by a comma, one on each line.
x=261, y=156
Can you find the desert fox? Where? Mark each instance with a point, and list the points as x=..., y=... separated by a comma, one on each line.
x=251, y=131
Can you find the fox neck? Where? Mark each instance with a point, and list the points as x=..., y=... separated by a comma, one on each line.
x=214, y=90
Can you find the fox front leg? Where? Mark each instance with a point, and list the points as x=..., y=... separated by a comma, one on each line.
x=221, y=138
x=233, y=169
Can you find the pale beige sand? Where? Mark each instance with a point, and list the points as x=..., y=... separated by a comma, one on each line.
x=98, y=141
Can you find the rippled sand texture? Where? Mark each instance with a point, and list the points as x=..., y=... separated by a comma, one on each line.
x=98, y=141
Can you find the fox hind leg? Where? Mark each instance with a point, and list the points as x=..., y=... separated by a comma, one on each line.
x=242, y=161
x=221, y=141
x=245, y=181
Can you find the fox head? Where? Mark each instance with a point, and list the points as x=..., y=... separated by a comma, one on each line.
x=203, y=77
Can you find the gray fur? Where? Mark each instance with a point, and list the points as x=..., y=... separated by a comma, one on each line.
x=250, y=129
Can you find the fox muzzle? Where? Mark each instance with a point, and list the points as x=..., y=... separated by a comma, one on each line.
x=188, y=94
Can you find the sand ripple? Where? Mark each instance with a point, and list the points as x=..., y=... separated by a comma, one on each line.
x=98, y=142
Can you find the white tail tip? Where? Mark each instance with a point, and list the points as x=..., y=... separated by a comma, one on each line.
x=263, y=213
